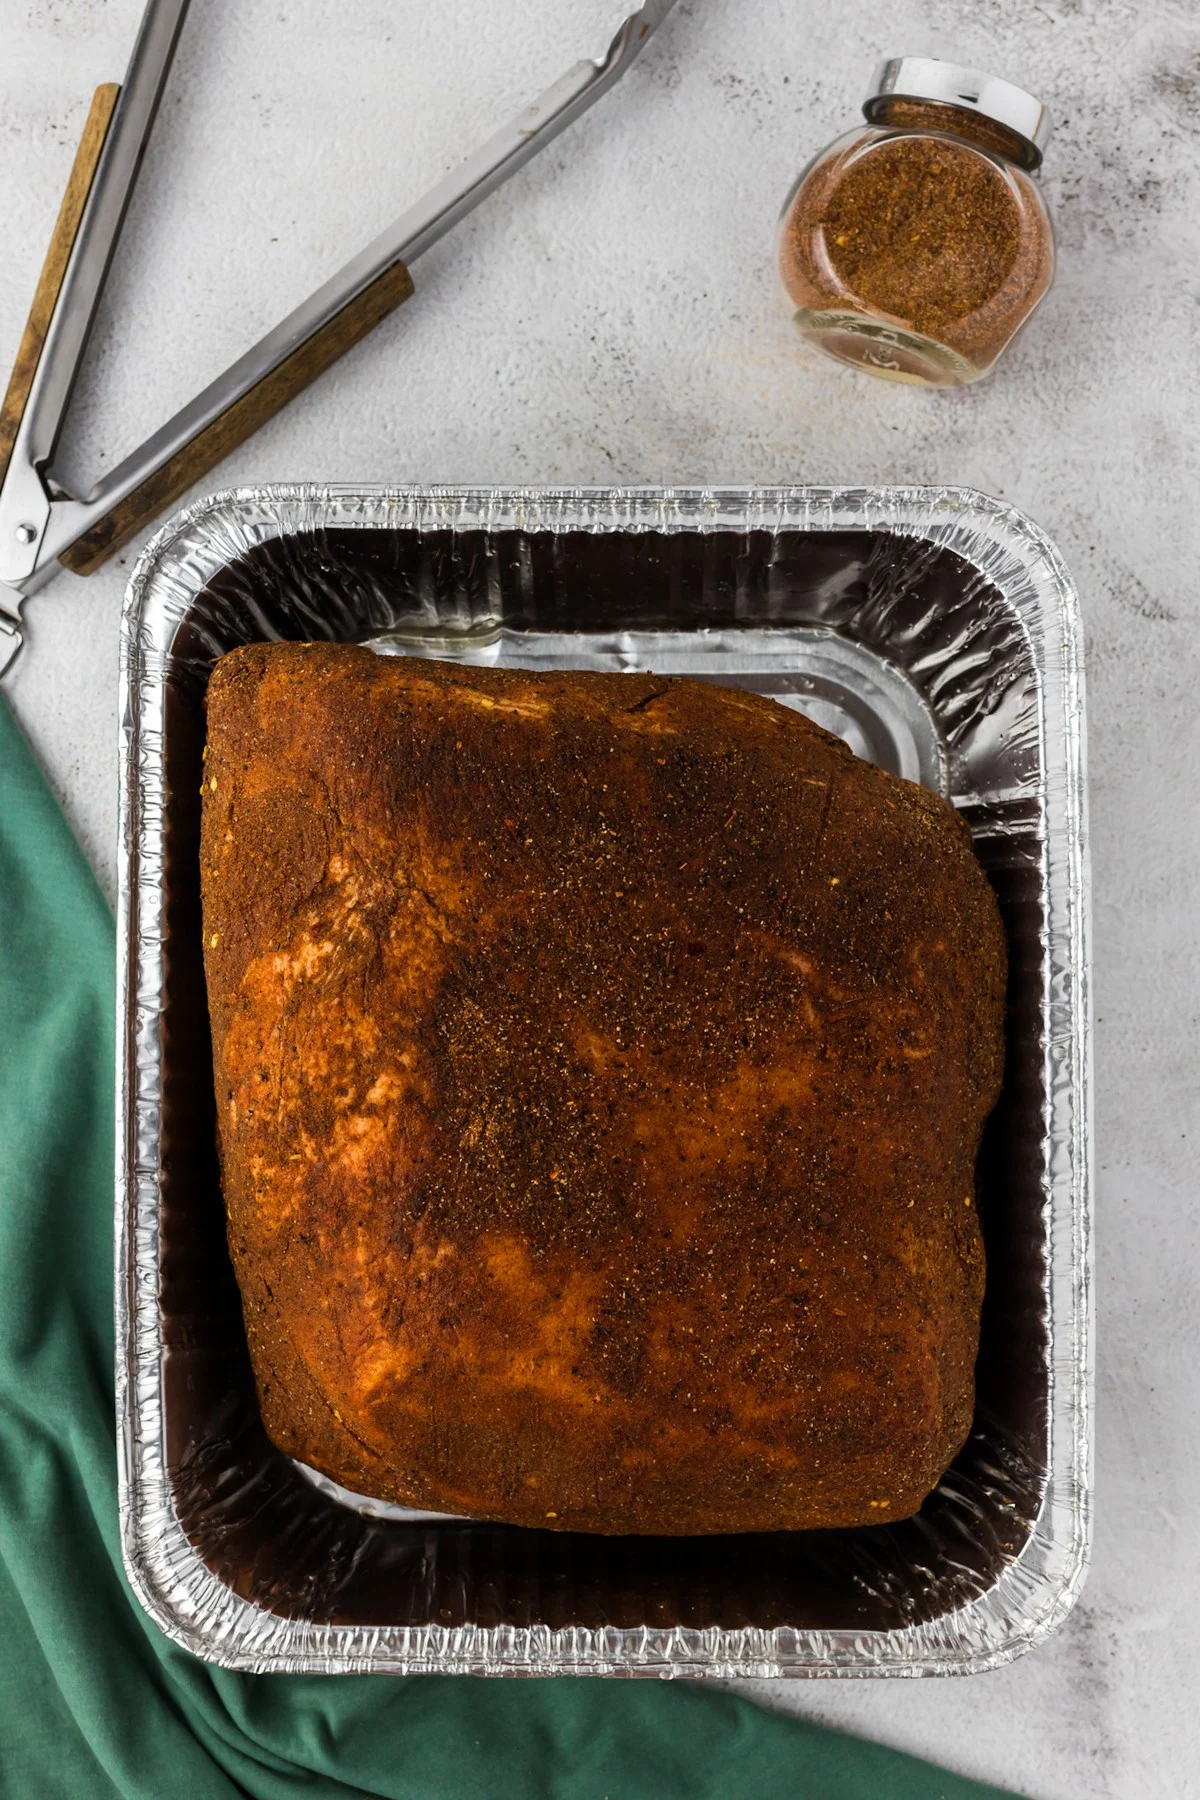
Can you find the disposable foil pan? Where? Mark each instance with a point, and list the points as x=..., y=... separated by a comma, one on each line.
x=937, y=630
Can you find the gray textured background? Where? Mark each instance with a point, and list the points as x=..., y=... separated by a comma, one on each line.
x=614, y=315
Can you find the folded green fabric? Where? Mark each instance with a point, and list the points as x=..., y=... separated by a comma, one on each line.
x=94, y=1701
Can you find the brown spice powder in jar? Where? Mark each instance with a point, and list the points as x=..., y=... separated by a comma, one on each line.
x=924, y=229
x=928, y=221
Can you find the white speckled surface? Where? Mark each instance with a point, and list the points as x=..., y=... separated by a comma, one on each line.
x=614, y=315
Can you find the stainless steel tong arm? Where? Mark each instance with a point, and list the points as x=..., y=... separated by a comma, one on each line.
x=42, y=527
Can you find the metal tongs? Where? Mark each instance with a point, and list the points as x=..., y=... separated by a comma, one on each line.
x=43, y=527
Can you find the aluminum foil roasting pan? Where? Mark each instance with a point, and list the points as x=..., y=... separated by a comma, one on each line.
x=937, y=630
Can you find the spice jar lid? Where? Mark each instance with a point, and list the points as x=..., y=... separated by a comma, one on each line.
x=926, y=78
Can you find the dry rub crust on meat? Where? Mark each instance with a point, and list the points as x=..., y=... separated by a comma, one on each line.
x=600, y=1063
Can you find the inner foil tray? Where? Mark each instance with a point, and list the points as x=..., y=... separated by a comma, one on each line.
x=937, y=631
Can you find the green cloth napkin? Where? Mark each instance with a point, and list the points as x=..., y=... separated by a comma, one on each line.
x=94, y=1701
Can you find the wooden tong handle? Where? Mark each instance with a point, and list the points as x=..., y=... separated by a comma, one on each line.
x=212, y=445
x=66, y=229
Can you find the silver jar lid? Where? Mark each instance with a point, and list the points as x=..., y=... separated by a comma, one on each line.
x=925, y=78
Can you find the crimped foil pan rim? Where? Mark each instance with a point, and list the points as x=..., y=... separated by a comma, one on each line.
x=185, y=1598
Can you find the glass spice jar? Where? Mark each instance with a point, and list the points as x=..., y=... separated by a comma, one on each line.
x=917, y=246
